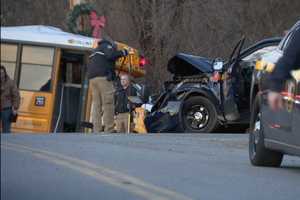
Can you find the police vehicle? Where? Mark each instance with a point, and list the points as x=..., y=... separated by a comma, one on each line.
x=273, y=133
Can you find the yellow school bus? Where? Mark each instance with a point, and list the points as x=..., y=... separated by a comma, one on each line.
x=49, y=67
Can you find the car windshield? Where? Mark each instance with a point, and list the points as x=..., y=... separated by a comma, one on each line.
x=255, y=55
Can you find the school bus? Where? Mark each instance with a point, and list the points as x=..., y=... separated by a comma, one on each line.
x=49, y=67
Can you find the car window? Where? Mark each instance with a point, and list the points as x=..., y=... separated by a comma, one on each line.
x=36, y=68
x=256, y=54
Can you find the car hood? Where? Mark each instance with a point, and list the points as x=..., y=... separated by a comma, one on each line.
x=187, y=65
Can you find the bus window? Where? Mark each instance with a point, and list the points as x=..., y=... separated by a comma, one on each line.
x=36, y=68
x=9, y=58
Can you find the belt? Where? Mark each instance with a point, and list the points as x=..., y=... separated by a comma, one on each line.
x=6, y=108
x=121, y=112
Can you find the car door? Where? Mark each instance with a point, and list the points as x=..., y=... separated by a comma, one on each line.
x=278, y=124
x=296, y=112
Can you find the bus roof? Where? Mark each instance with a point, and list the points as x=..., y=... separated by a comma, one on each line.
x=47, y=35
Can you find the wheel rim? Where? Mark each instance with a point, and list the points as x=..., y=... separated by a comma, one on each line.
x=197, y=117
x=256, y=134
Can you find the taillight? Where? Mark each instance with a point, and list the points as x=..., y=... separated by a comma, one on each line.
x=216, y=77
x=143, y=61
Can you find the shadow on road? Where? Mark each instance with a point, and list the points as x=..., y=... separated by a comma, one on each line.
x=232, y=129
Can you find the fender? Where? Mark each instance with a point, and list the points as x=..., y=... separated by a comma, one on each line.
x=200, y=92
x=256, y=85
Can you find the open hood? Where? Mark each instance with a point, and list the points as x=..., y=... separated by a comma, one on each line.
x=188, y=65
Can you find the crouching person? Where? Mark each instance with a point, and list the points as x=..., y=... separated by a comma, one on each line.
x=101, y=72
x=123, y=107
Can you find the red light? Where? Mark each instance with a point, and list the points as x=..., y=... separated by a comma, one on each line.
x=275, y=126
x=143, y=62
x=216, y=77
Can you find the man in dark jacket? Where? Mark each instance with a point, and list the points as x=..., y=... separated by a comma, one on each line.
x=10, y=100
x=101, y=72
x=123, y=107
x=289, y=61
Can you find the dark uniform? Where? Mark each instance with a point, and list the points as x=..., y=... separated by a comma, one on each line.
x=289, y=61
x=102, y=60
x=101, y=72
x=123, y=107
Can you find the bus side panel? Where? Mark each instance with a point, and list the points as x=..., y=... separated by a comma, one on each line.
x=34, y=113
x=88, y=108
x=36, y=108
x=131, y=63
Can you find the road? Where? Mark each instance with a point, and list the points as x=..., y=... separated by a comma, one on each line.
x=129, y=167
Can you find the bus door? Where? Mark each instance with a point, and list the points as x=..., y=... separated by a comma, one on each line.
x=69, y=104
x=33, y=69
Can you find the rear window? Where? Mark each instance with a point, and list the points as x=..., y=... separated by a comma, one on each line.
x=36, y=68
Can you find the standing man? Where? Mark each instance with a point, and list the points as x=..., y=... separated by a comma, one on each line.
x=10, y=100
x=122, y=104
x=101, y=72
x=289, y=61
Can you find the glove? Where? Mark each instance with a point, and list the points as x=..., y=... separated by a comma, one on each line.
x=124, y=52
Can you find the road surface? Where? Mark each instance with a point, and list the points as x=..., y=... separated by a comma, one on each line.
x=129, y=167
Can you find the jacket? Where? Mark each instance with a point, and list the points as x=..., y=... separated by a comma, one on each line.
x=122, y=104
x=10, y=96
x=289, y=61
x=102, y=60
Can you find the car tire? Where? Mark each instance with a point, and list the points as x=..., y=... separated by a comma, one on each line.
x=259, y=155
x=204, y=113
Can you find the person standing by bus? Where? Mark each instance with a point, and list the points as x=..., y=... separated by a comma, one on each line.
x=101, y=73
x=122, y=104
x=10, y=100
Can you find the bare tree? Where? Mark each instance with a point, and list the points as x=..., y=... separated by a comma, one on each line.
x=161, y=28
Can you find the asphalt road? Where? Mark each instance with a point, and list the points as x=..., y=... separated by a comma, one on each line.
x=129, y=167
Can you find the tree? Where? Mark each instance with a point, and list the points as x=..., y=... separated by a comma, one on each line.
x=161, y=28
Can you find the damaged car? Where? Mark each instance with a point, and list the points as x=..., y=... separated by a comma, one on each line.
x=206, y=93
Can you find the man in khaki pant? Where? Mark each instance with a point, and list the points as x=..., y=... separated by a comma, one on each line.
x=101, y=71
x=122, y=105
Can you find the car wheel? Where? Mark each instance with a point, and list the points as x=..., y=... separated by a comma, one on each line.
x=258, y=154
x=199, y=115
